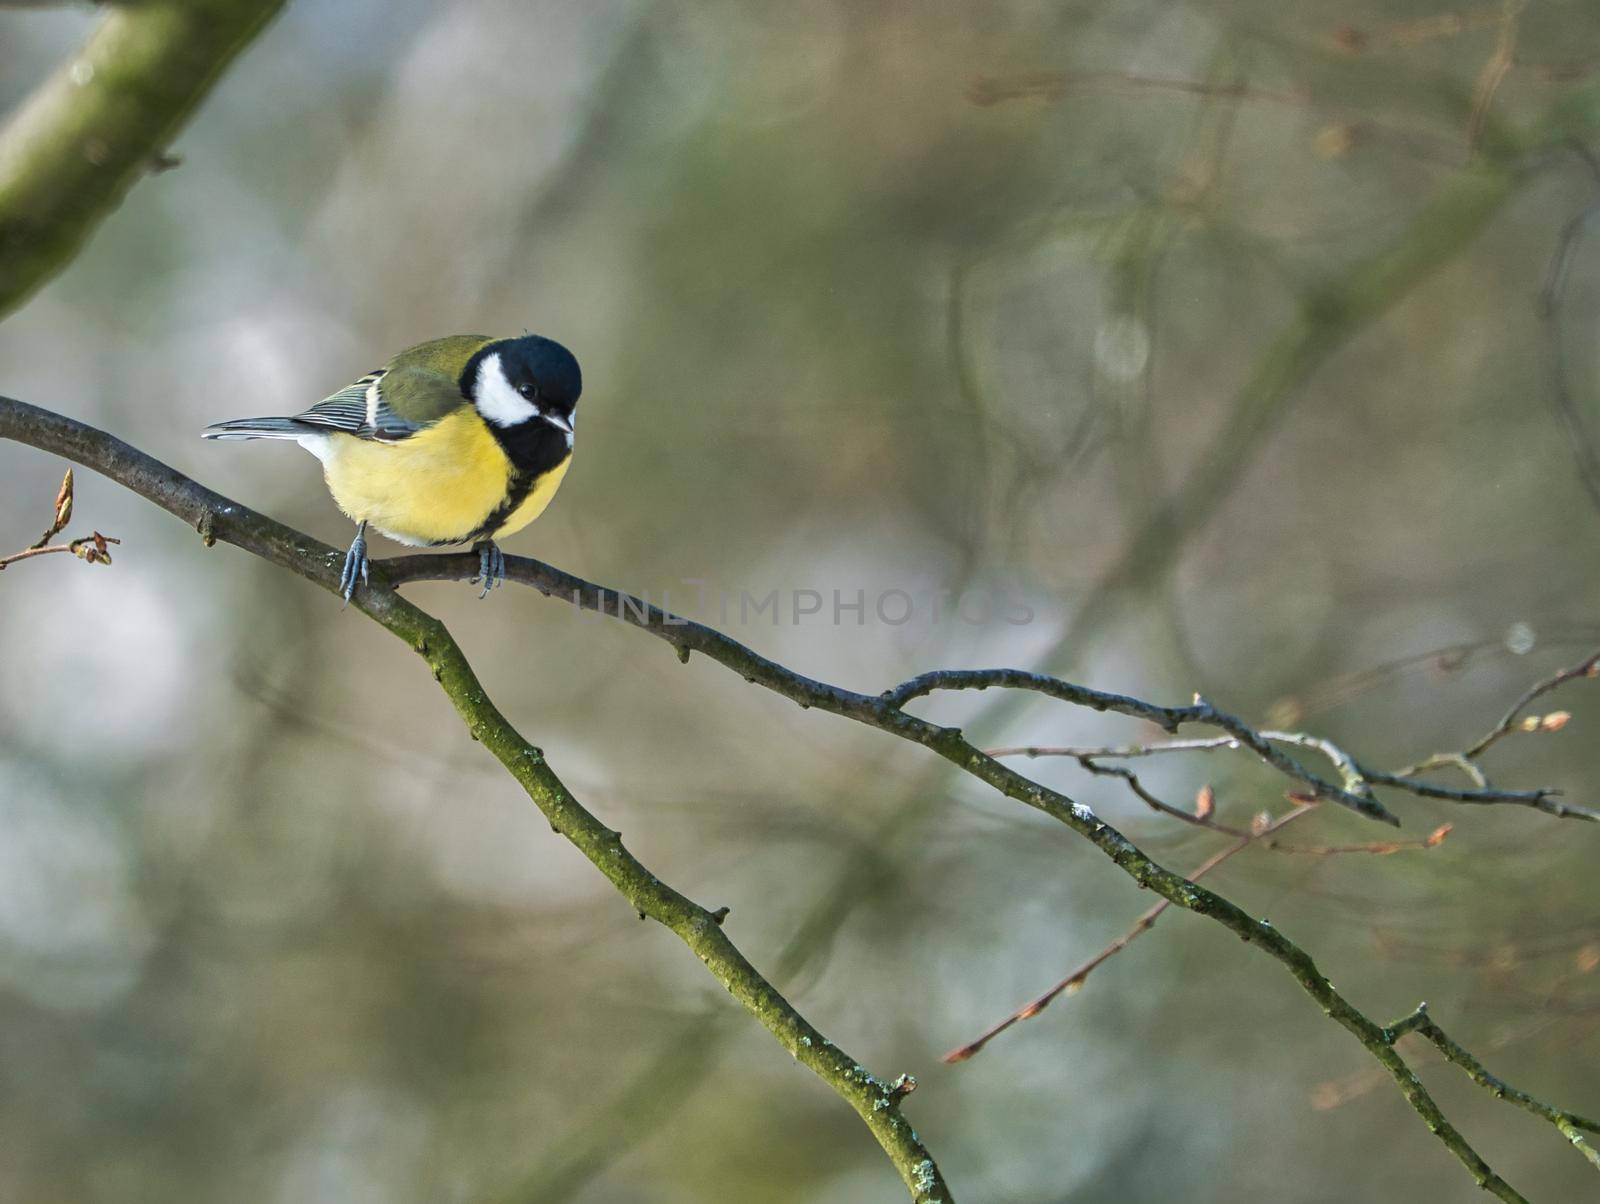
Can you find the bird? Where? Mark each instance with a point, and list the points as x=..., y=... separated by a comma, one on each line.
x=463, y=439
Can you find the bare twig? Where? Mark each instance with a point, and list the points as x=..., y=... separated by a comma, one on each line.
x=1358, y=779
x=1543, y=799
x=1444, y=661
x=1200, y=817
x=1119, y=751
x=1053, y=85
x=1074, y=981
x=1566, y=70
x=1493, y=73
x=1336, y=138
x=1089, y=758
x=91, y=549
x=1260, y=832
x=1380, y=848
x=1354, y=793
x=1512, y=721
x=1355, y=774
x=1413, y=33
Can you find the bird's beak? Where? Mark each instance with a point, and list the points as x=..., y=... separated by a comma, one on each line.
x=560, y=421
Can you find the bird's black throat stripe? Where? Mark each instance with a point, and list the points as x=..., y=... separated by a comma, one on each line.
x=534, y=448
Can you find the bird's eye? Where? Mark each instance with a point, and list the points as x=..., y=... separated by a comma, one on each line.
x=528, y=390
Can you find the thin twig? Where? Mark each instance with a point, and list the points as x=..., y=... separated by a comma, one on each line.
x=90, y=548
x=1493, y=73
x=1197, y=818
x=1261, y=833
x=1425, y=29
x=1380, y=848
x=1118, y=751
x=1443, y=661
x=1465, y=759
x=1353, y=794
x=1074, y=981
x=1053, y=85
x=1358, y=779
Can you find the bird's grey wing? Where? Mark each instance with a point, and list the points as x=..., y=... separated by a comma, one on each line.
x=360, y=409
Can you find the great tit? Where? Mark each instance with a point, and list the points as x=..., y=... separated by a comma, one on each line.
x=459, y=440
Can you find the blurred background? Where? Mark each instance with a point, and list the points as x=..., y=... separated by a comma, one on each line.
x=1112, y=316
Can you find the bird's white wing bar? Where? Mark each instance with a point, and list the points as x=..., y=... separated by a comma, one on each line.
x=348, y=410
x=360, y=410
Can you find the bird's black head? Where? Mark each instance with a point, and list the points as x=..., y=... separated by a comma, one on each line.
x=514, y=381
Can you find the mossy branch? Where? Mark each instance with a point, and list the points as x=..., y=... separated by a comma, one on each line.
x=877, y=1101
x=92, y=130
x=1572, y=1126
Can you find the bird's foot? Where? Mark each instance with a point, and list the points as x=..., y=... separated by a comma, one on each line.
x=356, y=565
x=491, y=566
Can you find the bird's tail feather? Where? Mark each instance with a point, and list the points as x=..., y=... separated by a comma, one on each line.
x=256, y=428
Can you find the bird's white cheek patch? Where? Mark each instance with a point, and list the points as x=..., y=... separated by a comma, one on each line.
x=498, y=402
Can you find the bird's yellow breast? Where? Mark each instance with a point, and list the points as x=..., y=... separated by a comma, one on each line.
x=437, y=486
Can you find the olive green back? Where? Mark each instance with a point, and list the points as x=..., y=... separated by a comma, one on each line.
x=423, y=383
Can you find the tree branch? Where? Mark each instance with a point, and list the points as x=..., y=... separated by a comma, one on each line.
x=1571, y=1124
x=73, y=150
x=1356, y=775
x=1353, y=794
x=1589, y=666
x=217, y=517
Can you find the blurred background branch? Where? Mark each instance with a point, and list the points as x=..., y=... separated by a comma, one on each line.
x=1569, y=409
x=103, y=121
x=1332, y=314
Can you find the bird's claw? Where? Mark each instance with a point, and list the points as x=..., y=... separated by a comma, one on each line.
x=491, y=567
x=355, y=569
